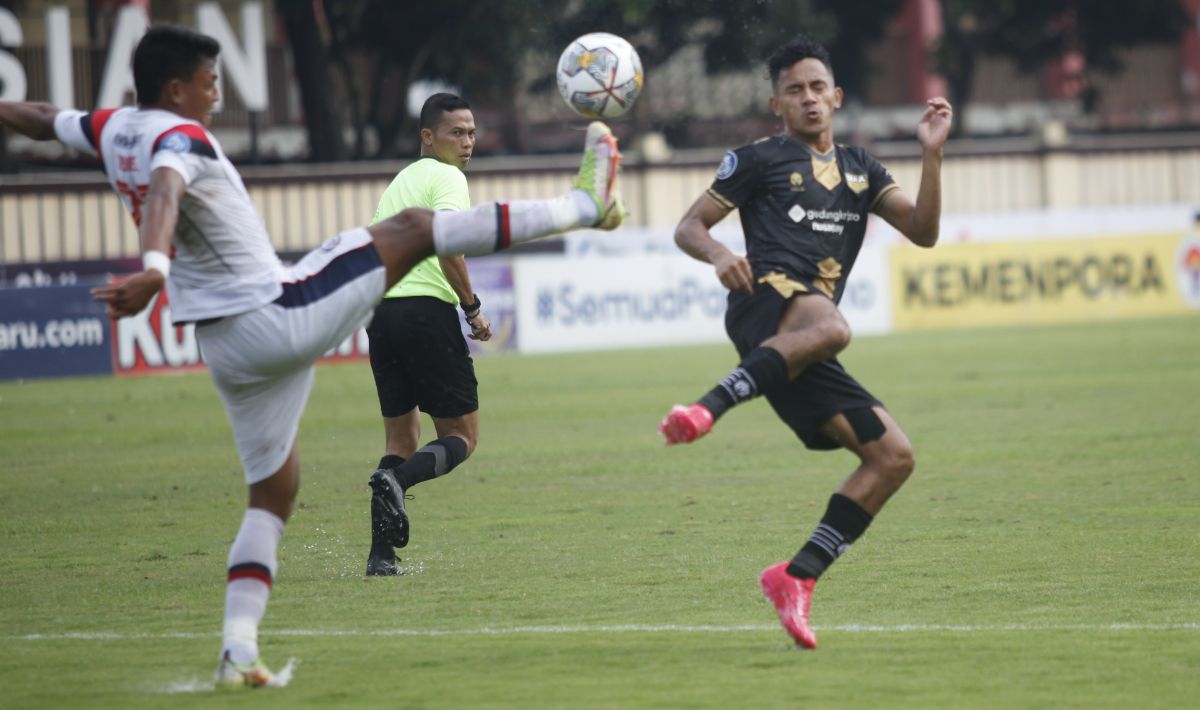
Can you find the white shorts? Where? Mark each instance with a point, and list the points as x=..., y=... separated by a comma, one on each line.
x=262, y=361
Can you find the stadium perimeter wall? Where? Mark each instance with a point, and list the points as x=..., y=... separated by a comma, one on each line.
x=73, y=216
x=632, y=289
x=1038, y=236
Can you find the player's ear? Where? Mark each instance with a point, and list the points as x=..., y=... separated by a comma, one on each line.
x=774, y=106
x=426, y=136
x=172, y=91
x=838, y=95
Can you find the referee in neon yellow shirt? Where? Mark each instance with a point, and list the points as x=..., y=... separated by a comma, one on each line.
x=419, y=358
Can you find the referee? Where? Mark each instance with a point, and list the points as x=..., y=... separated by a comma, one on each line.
x=419, y=357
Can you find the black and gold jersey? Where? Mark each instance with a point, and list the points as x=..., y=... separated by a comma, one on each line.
x=804, y=214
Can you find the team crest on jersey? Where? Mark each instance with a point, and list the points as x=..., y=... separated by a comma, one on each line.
x=332, y=243
x=857, y=182
x=728, y=165
x=177, y=142
x=797, y=182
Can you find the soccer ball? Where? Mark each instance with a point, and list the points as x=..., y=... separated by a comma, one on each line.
x=599, y=75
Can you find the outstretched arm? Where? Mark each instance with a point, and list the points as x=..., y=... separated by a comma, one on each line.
x=919, y=222
x=159, y=217
x=693, y=237
x=32, y=119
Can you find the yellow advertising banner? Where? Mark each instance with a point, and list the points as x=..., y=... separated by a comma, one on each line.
x=1050, y=281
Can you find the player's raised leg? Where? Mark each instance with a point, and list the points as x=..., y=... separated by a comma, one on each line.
x=594, y=201
x=811, y=330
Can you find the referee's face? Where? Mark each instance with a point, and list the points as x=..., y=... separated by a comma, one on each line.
x=805, y=98
x=453, y=141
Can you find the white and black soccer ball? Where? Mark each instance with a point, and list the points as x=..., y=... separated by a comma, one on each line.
x=600, y=75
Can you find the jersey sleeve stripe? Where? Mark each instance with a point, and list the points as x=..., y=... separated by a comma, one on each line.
x=197, y=137
x=721, y=199
x=93, y=124
x=879, y=197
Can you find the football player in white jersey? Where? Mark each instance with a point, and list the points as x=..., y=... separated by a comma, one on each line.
x=260, y=323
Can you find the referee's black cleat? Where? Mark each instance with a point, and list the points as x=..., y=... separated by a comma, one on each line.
x=382, y=560
x=389, y=521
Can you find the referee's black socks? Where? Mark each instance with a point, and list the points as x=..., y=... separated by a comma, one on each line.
x=437, y=458
x=844, y=522
x=391, y=461
x=761, y=371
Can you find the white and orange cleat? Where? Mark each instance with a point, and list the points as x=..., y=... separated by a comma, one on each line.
x=792, y=598
x=235, y=676
x=598, y=175
x=686, y=423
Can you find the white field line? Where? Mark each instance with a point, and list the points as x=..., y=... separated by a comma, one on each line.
x=619, y=629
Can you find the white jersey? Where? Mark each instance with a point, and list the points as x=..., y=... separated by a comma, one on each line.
x=222, y=263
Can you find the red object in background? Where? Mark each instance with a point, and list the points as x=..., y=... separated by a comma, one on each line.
x=148, y=343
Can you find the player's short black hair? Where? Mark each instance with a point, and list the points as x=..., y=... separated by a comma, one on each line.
x=436, y=105
x=800, y=47
x=168, y=52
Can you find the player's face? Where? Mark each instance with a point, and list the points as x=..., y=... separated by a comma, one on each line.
x=805, y=98
x=453, y=141
x=195, y=99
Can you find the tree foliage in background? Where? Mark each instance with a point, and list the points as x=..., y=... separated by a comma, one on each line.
x=377, y=49
x=736, y=35
x=1033, y=33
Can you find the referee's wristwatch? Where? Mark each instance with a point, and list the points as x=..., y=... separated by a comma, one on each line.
x=470, y=310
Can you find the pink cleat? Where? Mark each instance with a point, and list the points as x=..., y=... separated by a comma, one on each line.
x=792, y=597
x=684, y=424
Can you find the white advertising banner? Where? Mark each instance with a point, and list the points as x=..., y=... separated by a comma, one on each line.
x=866, y=302
x=599, y=302
x=566, y=303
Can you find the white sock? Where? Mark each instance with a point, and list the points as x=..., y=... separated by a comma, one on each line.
x=493, y=226
x=252, y=567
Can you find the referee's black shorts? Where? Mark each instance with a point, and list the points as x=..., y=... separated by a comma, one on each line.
x=420, y=359
x=820, y=392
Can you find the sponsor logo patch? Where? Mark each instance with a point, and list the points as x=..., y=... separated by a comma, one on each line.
x=797, y=213
x=728, y=165
x=176, y=142
x=857, y=182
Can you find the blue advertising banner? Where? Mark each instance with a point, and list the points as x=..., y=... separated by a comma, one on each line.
x=492, y=279
x=55, y=331
x=52, y=332
x=65, y=273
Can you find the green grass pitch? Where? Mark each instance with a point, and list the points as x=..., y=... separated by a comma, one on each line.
x=1046, y=553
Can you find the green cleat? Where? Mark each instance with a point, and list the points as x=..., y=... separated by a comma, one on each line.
x=598, y=175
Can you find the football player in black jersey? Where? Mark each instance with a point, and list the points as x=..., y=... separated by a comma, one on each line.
x=803, y=202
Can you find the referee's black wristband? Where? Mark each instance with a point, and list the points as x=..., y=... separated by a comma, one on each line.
x=469, y=308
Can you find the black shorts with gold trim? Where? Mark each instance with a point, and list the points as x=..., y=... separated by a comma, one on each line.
x=820, y=392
